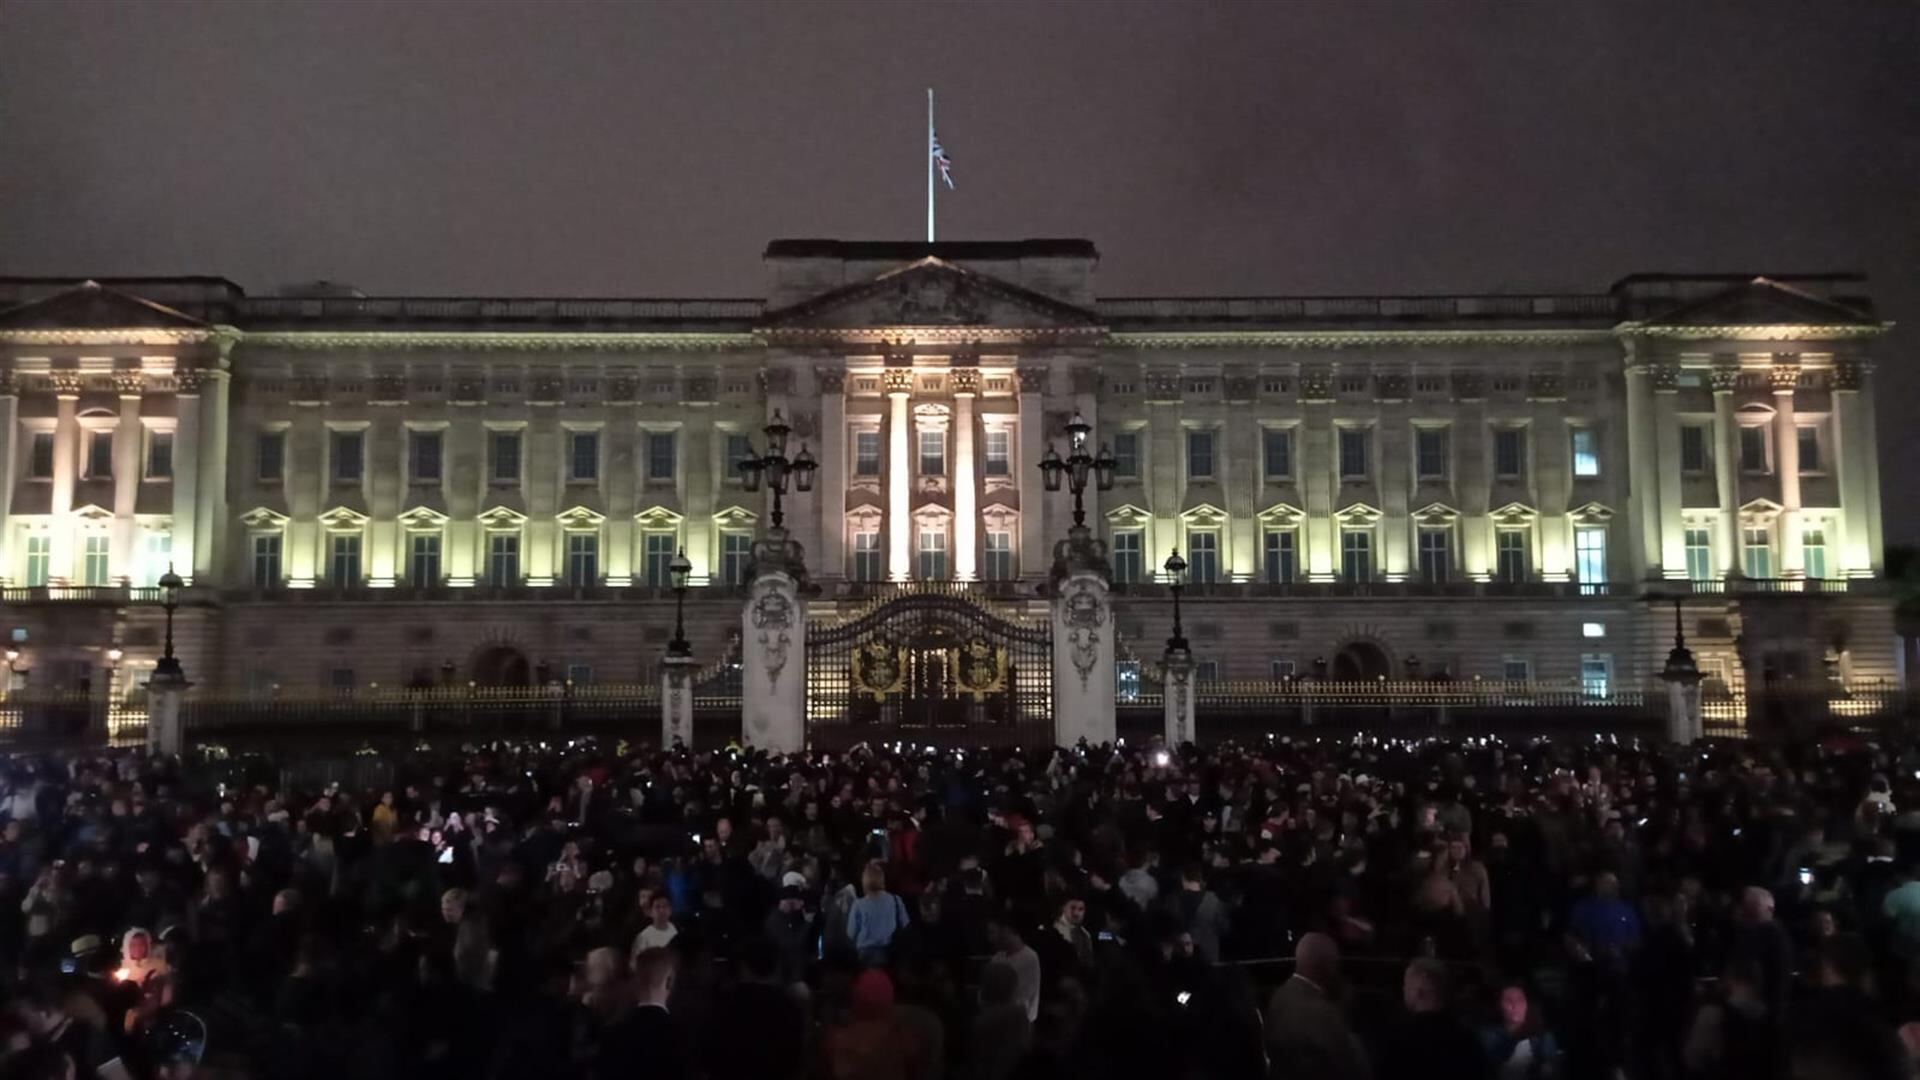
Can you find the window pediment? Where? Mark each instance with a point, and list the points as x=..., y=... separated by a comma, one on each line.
x=1205, y=515
x=501, y=517
x=1128, y=515
x=261, y=518
x=341, y=517
x=580, y=517
x=1436, y=514
x=422, y=517
x=1592, y=514
x=1358, y=514
x=1000, y=517
x=1514, y=515
x=865, y=517
x=653, y=517
x=735, y=517
x=93, y=515
x=1281, y=515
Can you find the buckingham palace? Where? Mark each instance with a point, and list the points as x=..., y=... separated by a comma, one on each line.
x=361, y=491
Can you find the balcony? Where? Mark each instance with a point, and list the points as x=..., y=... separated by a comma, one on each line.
x=118, y=595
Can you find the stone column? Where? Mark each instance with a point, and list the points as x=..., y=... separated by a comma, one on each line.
x=1643, y=484
x=9, y=467
x=165, y=735
x=966, y=502
x=186, y=470
x=773, y=652
x=210, y=510
x=1852, y=453
x=1785, y=375
x=676, y=700
x=1673, y=537
x=126, y=474
x=1179, y=698
x=1393, y=472
x=1726, y=462
x=1472, y=482
x=66, y=472
x=1033, y=446
x=1083, y=630
x=899, y=387
x=1318, y=469
x=835, y=472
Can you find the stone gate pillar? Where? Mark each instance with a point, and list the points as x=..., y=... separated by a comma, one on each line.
x=773, y=649
x=676, y=699
x=1083, y=630
x=165, y=735
x=1178, y=691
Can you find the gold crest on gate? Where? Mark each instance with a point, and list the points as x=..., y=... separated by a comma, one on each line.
x=980, y=668
x=879, y=669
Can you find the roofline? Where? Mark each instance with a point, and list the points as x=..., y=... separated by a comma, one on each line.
x=952, y=250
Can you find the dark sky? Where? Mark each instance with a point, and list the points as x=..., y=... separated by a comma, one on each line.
x=599, y=149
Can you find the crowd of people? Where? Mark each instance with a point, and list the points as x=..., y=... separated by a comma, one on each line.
x=1316, y=909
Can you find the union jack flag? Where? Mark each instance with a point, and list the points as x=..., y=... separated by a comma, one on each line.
x=940, y=158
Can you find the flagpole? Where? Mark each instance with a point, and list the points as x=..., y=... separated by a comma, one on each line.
x=929, y=164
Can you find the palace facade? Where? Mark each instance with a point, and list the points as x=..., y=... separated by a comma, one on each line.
x=396, y=491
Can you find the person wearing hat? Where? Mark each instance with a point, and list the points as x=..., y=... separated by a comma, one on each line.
x=794, y=932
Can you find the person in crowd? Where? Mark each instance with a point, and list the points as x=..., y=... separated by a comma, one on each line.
x=1305, y=1022
x=660, y=931
x=873, y=1043
x=1011, y=951
x=1429, y=1042
x=876, y=917
x=1001, y=1032
x=1517, y=1044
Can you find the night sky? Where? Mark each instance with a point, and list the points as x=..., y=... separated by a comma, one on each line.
x=594, y=149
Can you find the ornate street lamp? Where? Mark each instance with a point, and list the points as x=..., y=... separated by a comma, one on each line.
x=679, y=569
x=1077, y=468
x=168, y=666
x=777, y=469
x=1176, y=568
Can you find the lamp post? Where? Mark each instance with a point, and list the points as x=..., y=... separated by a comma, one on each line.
x=1682, y=676
x=168, y=666
x=1077, y=468
x=778, y=470
x=1176, y=568
x=678, y=570
x=1178, y=663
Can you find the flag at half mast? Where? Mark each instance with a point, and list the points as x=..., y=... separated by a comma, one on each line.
x=940, y=159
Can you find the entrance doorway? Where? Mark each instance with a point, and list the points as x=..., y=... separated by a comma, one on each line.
x=1359, y=660
x=501, y=665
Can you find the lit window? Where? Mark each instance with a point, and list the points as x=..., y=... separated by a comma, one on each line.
x=583, y=559
x=933, y=554
x=1586, y=452
x=1813, y=552
x=345, y=562
x=99, y=455
x=159, y=556
x=503, y=560
x=933, y=453
x=999, y=556
x=1756, y=550
x=866, y=453
x=1199, y=455
x=1593, y=629
x=1510, y=555
x=1590, y=556
x=1203, y=557
x=1699, y=543
x=39, y=559
x=1430, y=453
x=266, y=561
x=1127, y=563
x=867, y=562
x=999, y=452
x=1596, y=675
x=93, y=566
x=423, y=458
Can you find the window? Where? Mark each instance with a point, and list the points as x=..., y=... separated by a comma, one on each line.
x=1206, y=671
x=503, y=455
x=1199, y=455
x=580, y=674
x=1430, y=453
x=656, y=559
x=1279, y=561
x=1356, y=555
x=933, y=554
x=1753, y=449
x=1509, y=452
x=1699, y=554
x=583, y=456
x=39, y=559
x=1280, y=670
x=349, y=458
x=160, y=455
x=1128, y=564
x=1126, y=680
x=1353, y=454
x=1516, y=669
x=867, y=563
x=1586, y=452
x=583, y=559
x=739, y=448
x=933, y=453
x=423, y=565
x=40, y=456
x=93, y=565
x=159, y=556
x=266, y=561
x=1590, y=556
x=1596, y=675
x=1436, y=555
x=661, y=453
x=1593, y=629
x=999, y=452
x=1813, y=552
x=1126, y=454
x=1203, y=557
x=269, y=455
x=999, y=561
x=503, y=560
x=423, y=457
x=1277, y=452
x=736, y=557
x=1756, y=550
x=1693, y=448
x=1809, y=449
x=99, y=455
x=866, y=453
x=1510, y=555
x=345, y=565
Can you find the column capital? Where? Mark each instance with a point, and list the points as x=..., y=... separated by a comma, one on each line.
x=128, y=383
x=965, y=381
x=897, y=380
x=1849, y=373
x=187, y=381
x=67, y=383
x=1725, y=375
x=831, y=380
x=1783, y=377
x=1665, y=376
x=1033, y=380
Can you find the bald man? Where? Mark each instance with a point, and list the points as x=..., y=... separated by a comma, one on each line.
x=1306, y=1027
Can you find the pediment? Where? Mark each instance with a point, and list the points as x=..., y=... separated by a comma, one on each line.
x=1436, y=514
x=1358, y=513
x=931, y=292
x=502, y=517
x=1762, y=302
x=580, y=517
x=1760, y=507
x=1592, y=513
x=1282, y=514
x=341, y=517
x=1514, y=513
x=1128, y=514
x=92, y=514
x=422, y=517
x=262, y=518
x=1204, y=514
x=92, y=306
x=735, y=516
x=653, y=517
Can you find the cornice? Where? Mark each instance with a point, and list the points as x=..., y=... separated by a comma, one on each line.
x=495, y=340
x=1341, y=339
x=963, y=335
x=130, y=336
x=1754, y=333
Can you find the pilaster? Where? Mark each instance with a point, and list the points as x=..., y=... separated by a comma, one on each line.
x=1783, y=377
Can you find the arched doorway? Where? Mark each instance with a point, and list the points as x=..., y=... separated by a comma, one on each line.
x=1358, y=660
x=501, y=665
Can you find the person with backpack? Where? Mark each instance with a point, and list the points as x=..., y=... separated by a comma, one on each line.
x=875, y=917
